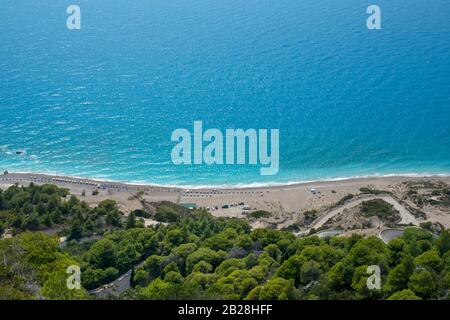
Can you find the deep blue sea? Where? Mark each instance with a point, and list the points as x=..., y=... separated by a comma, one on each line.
x=103, y=101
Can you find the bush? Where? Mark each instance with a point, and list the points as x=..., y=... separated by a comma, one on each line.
x=344, y=199
x=380, y=209
x=166, y=214
x=260, y=214
x=141, y=213
x=367, y=190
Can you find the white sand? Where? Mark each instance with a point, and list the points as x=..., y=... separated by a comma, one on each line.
x=286, y=202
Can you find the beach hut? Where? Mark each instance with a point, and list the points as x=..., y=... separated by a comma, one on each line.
x=190, y=206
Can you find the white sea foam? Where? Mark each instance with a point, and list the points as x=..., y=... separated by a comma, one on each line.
x=236, y=185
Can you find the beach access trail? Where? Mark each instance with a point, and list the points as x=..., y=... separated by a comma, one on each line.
x=406, y=216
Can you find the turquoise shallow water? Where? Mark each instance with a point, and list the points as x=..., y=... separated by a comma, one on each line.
x=103, y=101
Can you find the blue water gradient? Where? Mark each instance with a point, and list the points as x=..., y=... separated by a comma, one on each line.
x=103, y=101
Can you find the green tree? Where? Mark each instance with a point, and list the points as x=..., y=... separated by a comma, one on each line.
x=131, y=221
x=370, y=251
x=47, y=220
x=173, y=266
x=338, y=276
x=416, y=234
x=41, y=209
x=202, y=280
x=127, y=256
x=397, y=247
x=422, y=283
x=113, y=218
x=32, y=222
x=398, y=278
x=141, y=278
x=236, y=285
x=76, y=231
x=202, y=254
x=244, y=241
x=203, y=267
x=274, y=252
x=176, y=236
x=405, y=294
x=36, y=198
x=2, y=201
x=89, y=226
x=154, y=265
x=173, y=277
x=102, y=254
x=274, y=289
x=443, y=242
x=229, y=265
x=158, y=290
x=53, y=203
x=309, y=271
x=431, y=260
x=55, y=288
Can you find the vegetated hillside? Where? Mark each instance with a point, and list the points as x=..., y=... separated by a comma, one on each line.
x=52, y=209
x=200, y=256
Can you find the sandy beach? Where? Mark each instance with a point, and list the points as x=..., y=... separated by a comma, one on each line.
x=286, y=203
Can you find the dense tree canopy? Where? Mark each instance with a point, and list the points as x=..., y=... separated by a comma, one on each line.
x=50, y=208
x=198, y=256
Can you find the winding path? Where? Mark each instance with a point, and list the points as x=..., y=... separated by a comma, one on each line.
x=406, y=216
x=116, y=287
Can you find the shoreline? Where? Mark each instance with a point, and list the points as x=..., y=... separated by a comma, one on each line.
x=254, y=185
x=287, y=203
